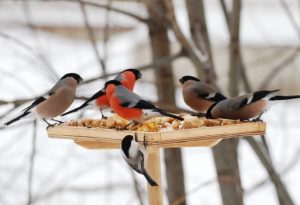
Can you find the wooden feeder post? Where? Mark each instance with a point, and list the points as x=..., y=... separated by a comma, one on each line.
x=99, y=138
x=155, y=193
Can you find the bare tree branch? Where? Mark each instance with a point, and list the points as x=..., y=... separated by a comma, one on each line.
x=32, y=163
x=179, y=200
x=29, y=49
x=284, y=197
x=242, y=69
x=107, y=7
x=277, y=69
x=136, y=187
x=192, y=52
x=100, y=61
x=293, y=21
x=198, y=29
x=291, y=165
x=155, y=64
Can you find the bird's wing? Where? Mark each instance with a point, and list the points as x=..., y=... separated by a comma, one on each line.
x=258, y=95
x=249, y=98
x=119, y=77
x=86, y=103
x=58, y=85
x=138, y=164
x=35, y=103
x=207, y=92
x=95, y=96
x=131, y=100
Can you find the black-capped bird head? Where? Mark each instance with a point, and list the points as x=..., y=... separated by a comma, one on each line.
x=126, y=143
x=112, y=82
x=136, y=72
x=188, y=77
x=77, y=77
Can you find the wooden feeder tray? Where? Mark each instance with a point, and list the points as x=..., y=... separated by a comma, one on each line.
x=100, y=138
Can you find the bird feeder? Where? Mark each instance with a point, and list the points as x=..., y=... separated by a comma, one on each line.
x=100, y=138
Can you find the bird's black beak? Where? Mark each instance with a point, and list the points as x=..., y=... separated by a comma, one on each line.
x=139, y=76
x=181, y=81
x=80, y=80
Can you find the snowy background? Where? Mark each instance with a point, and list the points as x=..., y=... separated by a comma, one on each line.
x=65, y=173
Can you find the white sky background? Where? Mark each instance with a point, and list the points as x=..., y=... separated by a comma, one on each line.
x=62, y=165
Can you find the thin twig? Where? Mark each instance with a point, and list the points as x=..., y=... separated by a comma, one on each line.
x=181, y=199
x=277, y=69
x=32, y=163
x=92, y=39
x=29, y=49
x=282, y=192
x=194, y=54
x=241, y=65
x=102, y=6
x=136, y=187
x=293, y=21
x=155, y=64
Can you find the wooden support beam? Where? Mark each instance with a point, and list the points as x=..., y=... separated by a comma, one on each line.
x=155, y=193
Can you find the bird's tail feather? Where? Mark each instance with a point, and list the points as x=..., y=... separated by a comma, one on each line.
x=169, y=114
x=280, y=97
x=76, y=109
x=17, y=118
x=149, y=178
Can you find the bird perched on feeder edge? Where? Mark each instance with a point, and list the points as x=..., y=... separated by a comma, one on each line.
x=246, y=107
x=198, y=94
x=100, y=101
x=131, y=106
x=134, y=155
x=56, y=101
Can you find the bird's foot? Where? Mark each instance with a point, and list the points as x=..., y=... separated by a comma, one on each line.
x=103, y=117
x=145, y=142
x=126, y=126
x=256, y=120
x=59, y=122
x=49, y=124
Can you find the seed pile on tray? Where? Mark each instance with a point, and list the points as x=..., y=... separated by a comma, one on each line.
x=155, y=124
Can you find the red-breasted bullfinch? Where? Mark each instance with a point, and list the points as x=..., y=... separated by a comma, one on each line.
x=198, y=94
x=134, y=154
x=56, y=101
x=100, y=101
x=246, y=107
x=129, y=105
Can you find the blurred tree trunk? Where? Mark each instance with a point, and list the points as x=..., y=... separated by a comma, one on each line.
x=160, y=47
x=238, y=68
x=225, y=154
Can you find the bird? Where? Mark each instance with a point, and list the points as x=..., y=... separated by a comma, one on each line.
x=249, y=106
x=100, y=101
x=56, y=101
x=131, y=106
x=199, y=95
x=133, y=154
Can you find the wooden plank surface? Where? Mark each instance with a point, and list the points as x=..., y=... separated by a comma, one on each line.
x=97, y=138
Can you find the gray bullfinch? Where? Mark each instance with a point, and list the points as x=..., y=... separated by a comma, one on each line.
x=198, y=94
x=56, y=101
x=246, y=107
